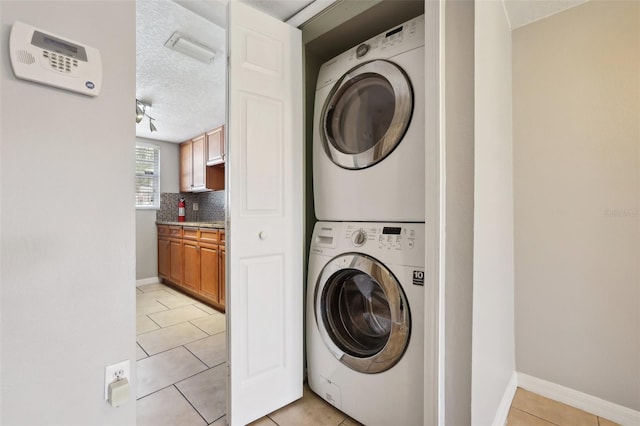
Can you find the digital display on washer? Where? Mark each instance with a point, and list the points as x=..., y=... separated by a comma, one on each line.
x=392, y=32
x=391, y=230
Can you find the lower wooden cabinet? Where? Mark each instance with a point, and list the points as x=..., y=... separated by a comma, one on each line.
x=223, y=273
x=194, y=259
x=210, y=273
x=175, y=254
x=164, y=259
x=191, y=271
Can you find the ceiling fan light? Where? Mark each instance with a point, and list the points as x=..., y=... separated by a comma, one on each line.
x=139, y=113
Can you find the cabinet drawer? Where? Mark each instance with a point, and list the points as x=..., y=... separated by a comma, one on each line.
x=163, y=230
x=189, y=233
x=175, y=231
x=209, y=235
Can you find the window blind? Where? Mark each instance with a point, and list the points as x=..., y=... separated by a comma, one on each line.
x=147, y=176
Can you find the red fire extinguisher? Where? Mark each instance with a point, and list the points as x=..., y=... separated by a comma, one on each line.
x=181, y=210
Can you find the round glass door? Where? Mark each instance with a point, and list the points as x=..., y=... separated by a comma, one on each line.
x=362, y=313
x=366, y=114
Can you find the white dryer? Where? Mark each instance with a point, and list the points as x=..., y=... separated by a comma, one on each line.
x=368, y=135
x=365, y=320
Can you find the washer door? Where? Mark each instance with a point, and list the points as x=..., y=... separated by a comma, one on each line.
x=362, y=313
x=366, y=114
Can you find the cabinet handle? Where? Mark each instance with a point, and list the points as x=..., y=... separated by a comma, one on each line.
x=263, y=235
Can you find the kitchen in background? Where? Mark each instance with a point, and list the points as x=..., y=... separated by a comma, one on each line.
x=210, y=206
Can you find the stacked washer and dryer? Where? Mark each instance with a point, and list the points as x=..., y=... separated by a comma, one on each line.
x=365, y=287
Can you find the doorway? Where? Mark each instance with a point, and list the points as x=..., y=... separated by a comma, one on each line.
x=180, y=339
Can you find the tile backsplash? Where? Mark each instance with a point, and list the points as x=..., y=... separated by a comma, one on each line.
x=210, y=206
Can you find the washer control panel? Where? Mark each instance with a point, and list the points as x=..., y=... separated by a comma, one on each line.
x=392, y=243
x=402, y=236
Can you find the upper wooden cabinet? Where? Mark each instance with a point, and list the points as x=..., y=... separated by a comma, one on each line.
x=195, y=175
x=215, y=146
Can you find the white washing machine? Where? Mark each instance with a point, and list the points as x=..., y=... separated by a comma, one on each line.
x=368, y=135
x=365, y=320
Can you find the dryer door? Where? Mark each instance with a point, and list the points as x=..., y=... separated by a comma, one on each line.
x=362, y=313
x=366, y=114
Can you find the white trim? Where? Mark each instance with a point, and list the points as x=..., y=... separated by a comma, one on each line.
x=150, y=280
x=505, y=404
x=315, y=8
x=599, y=407
x=442, y=214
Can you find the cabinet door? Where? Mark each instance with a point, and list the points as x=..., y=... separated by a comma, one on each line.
x=191, y=271
x=175, y=248
x=223, y=274
x=215, y=146
x=209, y=273
x=199, y=164
x=186, y=161
x=164, y=258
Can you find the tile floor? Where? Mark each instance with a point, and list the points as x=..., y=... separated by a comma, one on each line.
x=181, y=359
x=182, y=367
x=182, y=374
x=530, y=409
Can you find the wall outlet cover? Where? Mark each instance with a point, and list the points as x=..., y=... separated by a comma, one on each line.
x=121, y=370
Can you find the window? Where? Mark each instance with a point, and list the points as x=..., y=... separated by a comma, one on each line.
x=147, y=176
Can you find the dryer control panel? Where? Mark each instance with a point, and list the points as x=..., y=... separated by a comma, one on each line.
x=398, y=40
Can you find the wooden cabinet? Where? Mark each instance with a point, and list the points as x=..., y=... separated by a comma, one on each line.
x=215, y=146
x=223, y=275
x=191, y=254
x=194, y=259
x=210, y=273
x=186, y=167
x=170, y=252
x=175, y=256
x=164, y=262
x=195, y=175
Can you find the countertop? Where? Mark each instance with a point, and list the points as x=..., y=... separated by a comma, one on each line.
x=216, y=224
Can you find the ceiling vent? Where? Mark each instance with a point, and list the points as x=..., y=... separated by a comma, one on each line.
x=181, y=43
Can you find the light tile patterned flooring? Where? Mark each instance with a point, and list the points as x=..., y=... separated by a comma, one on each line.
x=182, y=374
x=530, y=409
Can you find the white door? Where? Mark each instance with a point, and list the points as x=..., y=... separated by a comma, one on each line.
x=265, y=209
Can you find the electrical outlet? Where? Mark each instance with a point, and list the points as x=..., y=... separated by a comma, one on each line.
x=195, y=207
x=115, y=372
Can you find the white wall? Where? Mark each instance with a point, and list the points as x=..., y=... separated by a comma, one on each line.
x=146, y=236
x=493, y=281
x=576, y=99
x=68, y=224
x=457, y=172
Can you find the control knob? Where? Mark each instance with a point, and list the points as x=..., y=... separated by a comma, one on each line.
x=362, y=50
x=359, y=237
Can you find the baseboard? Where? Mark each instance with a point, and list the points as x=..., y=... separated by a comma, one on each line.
x=150, y=280
x=614, y=412
x=505, y=404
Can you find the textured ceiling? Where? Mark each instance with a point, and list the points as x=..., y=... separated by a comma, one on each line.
x=187, y=96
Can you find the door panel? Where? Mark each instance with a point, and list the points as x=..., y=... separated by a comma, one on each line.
x=175, y=248
x=191, y=271
x=209, y=272
x=164, y=259
x=264, y=162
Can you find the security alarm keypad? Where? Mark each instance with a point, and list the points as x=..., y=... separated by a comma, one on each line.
x=51, y=60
